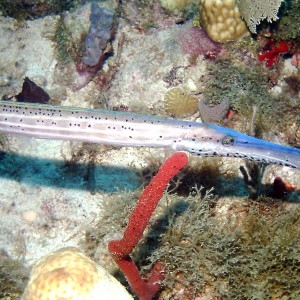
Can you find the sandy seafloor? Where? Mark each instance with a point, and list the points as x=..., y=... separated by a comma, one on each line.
x=45, y=205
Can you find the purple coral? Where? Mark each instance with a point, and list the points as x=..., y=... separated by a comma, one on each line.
x=195, y=41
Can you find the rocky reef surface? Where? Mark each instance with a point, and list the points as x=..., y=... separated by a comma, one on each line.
x=53, y=192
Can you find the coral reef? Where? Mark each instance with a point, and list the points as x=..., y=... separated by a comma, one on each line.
x=179, y=103
x=223, y=250
x=144, y=15
x=230, y=247
x=254, y=11
x=247, y=91
x=195, y=41
x=176, y=5
x=83, y=41
x=287, y=27
x=221, y=20
x=67, y=47
x=68, y=274
x=138, y=220
x=271, y=56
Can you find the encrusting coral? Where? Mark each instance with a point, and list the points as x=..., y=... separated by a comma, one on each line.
x=195, y=41
x=68, y=274
x=179, y=103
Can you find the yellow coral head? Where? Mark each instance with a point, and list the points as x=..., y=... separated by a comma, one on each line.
x=222, y=20
x=68, y=274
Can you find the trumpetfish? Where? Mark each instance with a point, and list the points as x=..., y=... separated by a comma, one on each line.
x=135, y=130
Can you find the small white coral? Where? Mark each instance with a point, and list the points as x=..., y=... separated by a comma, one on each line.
x=254, y=11
x=70, y=275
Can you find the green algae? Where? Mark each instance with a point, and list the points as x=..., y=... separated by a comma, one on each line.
x=13, y=277
x=67, y=47
x=22, y=10
x=227, y=248
x=247, y=87
x=287, y=28
x=251, y=252
x=244, y=87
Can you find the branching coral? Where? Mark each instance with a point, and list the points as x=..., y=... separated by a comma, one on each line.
x=254, y=11
x=138, y=220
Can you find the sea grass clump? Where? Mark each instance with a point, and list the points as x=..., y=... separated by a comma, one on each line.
x=230, y=250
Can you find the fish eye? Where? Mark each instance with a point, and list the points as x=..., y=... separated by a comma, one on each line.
x=227, y=140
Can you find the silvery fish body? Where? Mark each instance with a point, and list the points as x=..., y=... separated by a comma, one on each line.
x=134, y=130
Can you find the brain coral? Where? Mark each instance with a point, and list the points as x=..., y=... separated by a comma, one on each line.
x=69, y=275
x=221, y=19
x=179, y=103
